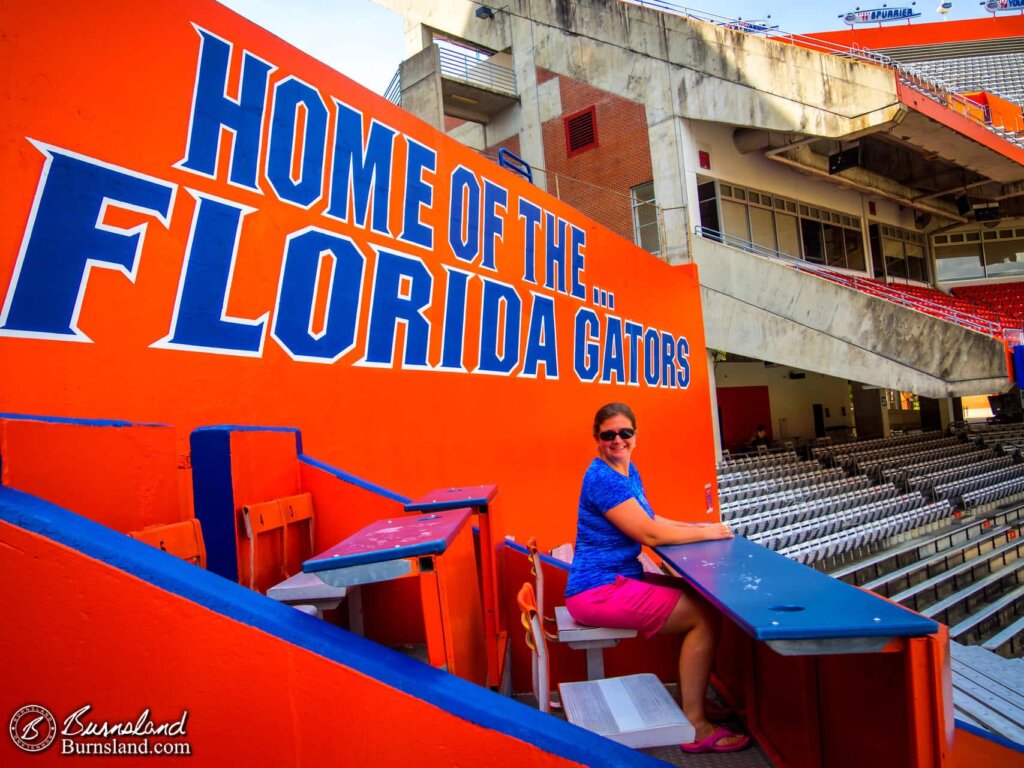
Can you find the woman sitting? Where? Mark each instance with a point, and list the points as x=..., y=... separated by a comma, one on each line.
x=607, y=586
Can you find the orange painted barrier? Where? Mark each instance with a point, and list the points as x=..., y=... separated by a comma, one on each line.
x=125, y=476
x=946, y=31
x=167, y=658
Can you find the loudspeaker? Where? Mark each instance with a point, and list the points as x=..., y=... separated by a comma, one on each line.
x=847, y=158
x=987, y=213
x=963, y=205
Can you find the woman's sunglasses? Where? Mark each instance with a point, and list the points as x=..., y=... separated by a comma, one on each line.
x=610, y=434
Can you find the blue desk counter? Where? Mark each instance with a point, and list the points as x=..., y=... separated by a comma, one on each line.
x=794, y=609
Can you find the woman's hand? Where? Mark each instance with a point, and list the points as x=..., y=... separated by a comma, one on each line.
x=714, y=531
x=630, y=518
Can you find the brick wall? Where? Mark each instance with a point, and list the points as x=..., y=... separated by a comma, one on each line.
x=596, y=181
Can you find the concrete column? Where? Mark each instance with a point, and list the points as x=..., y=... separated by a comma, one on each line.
x=531, y=135
x=931, y=413
x=421, y=86
x=669, y=137
x=716, y=424
x=672, y=153
x=417, y=36
x=870, y=411
x=958, y=408
x=946, y=413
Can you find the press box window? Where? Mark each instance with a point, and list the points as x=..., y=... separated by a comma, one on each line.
x=645, y=217
x=580, y=132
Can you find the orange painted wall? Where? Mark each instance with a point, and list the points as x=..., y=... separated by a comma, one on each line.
x=1001, y=113
x=150, y=648
x=119, y=89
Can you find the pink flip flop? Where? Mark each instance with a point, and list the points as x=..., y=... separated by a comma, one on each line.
x=710, y=744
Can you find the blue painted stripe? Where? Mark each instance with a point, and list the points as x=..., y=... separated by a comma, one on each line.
x=462, y=699
x=253, y=428
x=214, y=499
x=366, y=485
x=546, y=559
x=995, y=737
x=71, y=420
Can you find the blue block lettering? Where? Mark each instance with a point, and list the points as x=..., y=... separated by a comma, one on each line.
x=289, y=94
x=634, y=331
x=464, y=214
x=530, y=214
x=454, y=320
x=556, y=235
x=67, y=238
x=614, y=360
x=495, y=197
x=502, y=307
x=652, y=357
x=296, y=300
x=419, y=194
x=200, y=319
x=361, y=171
x=576, y=264
x=683, y=358
x=214, y=111
x=402, y=287
x=586, y=351
x=541, y=339
x=668, y=356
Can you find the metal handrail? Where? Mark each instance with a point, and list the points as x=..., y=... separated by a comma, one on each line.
x=479, y=72
x=393, y=92
x=513, y=162
x=924, y=84
x=862, y=284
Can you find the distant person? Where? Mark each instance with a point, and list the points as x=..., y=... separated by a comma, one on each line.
x=608, y=588
x=759, y=438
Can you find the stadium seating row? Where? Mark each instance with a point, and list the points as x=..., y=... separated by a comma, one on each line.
x=955, y=489
x=762, y=521
x=818, y=527
x=867, y=534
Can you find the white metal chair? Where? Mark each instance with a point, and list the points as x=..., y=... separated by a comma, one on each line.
x=580, y=637
x=634, y=710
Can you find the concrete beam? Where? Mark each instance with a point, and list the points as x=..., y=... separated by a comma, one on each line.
x=712, y=73
x=765, y=309
x=803, y=158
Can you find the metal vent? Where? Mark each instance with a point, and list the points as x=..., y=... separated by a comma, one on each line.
x=580, y=131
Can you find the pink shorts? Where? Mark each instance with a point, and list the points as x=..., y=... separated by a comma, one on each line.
x=625, y=603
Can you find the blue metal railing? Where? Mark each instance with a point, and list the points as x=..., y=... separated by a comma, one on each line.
x=516, y=164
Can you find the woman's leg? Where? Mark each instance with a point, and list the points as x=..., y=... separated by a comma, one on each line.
x=698, y=623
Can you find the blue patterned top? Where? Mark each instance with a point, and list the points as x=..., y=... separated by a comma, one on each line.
x=602, y=551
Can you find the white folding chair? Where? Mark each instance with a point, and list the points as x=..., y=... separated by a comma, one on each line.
x=634, y=710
